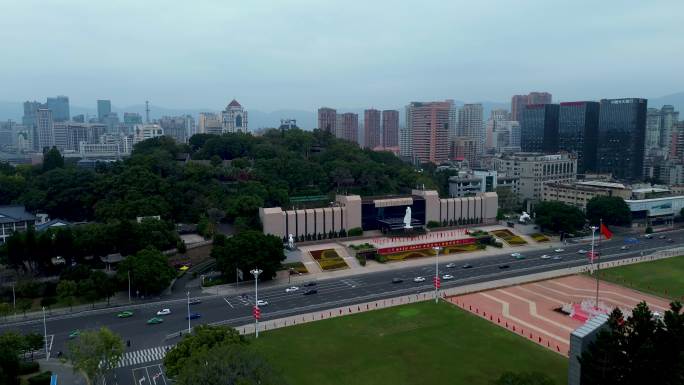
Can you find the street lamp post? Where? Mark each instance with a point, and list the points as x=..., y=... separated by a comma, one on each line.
x=437, y=282
x=14, y=299
x=257, y=312
x=47, y=356
x=189, y=312
x=129, y=286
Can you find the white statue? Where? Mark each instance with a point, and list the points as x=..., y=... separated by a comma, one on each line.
x=407, y=219
x=290, y=242
x=524, y=218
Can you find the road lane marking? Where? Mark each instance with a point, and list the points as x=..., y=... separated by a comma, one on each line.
x=228, y=302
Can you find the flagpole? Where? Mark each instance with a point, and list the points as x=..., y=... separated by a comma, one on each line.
x=598, y=263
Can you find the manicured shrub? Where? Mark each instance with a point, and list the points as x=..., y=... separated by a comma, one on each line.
x=354, y=232
x=41, y=379
x=28, y=367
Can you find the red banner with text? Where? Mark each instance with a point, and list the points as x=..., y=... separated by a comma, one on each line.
x=420, y=246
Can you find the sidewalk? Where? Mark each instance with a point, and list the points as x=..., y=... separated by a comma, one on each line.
x=64, y=371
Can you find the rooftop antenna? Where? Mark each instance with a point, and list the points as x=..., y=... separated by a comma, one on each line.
x=147, y=111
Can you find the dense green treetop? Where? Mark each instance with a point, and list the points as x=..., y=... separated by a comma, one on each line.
x=235, y=173
x=612, y=210
x=558, y=216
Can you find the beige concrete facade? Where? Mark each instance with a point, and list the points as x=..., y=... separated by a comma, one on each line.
x=579, y=193
x=346, y=214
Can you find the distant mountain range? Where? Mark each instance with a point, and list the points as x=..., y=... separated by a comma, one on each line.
x=260, y=119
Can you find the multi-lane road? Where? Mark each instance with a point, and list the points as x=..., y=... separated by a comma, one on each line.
x=237, y=309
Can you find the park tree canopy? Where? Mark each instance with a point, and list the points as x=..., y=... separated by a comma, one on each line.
x=558, y=217
x=612, y=210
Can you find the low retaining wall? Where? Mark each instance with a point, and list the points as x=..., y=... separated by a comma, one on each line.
x=429, y=295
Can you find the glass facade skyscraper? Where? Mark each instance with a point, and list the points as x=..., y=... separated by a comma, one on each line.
x=578, y=131
x=60, y=108
x=104, y=108
x=622, y=127
x=539, y=128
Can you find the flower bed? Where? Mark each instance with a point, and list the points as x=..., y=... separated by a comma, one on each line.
x=509, y=237
x=539, y=237
x=401, y=256
x=328, y=259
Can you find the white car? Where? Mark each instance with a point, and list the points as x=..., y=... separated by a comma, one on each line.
x=624, y=247
x=545, y=256
x=516, y=255
x=261, y=302
x=581, y=251
x=557, y=257
x=559, y=250
x=291, y=289
x=164, y=312
x=419, y=279
x=447, y=277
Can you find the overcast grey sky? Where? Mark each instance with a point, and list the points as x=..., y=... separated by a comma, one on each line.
x=305, y=53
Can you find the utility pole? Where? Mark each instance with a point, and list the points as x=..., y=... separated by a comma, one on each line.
x=47, y=355
x=257, y=311
x=14, y=298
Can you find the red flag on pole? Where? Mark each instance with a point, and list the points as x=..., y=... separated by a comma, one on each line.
x=606, y=233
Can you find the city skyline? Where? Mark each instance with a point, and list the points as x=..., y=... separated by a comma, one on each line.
x=619, y=38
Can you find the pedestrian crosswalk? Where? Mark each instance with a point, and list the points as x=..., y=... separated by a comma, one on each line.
x=143, y=356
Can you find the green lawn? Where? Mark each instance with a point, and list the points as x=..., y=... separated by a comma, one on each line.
x=664, y=277
x=421, y=343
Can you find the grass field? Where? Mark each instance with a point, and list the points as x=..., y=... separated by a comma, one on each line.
x=664, y=278
x=421, y=343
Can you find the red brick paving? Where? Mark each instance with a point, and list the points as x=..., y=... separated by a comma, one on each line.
x=528, y=310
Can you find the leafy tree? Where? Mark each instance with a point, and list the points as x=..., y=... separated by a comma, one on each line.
x=534, y=378
x=508, y=200
x=248, y=250
x=66, y=292
x=613, y=211
x=203, y=338
x=24, y=304
x=96, y=353
x=11, y=345
x=640, y=349
x=5, y=309
x=149, y=269
x=558, y=216
x=228, y=364
x=34, y=342
x=52, y=159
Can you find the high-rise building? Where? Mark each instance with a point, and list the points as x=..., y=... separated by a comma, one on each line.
x=132, y=118
x=652, y=139
x=428, y=123
x=175, y=127
x=146, y=131
x=371, y=128
x=499, y=114
x=30, y=111
x=111, y=120
x=469, y=125
x=669, y=118
x=80, y=118
x=59, y=130
x=622, y=127
x=539, y=98
x=518, y=103
x=104, y=108
x=209, y=123
x=539, y=128
x=578, y=132
x=390, y=128
x=327, y=120
x=60, y=108
x=347, y=127
x=405, y=142
x=234, y=118
x=535, y=169
x=45, y=129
